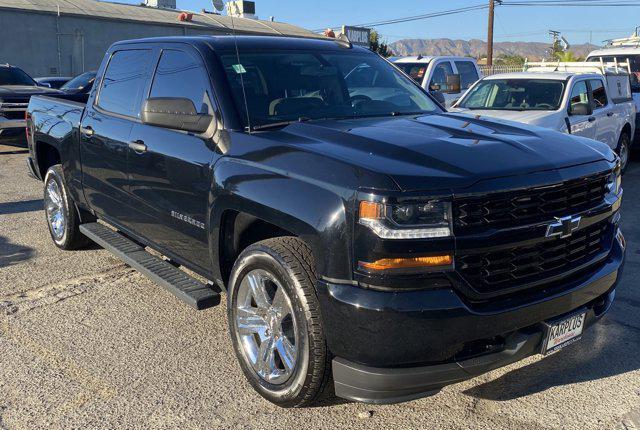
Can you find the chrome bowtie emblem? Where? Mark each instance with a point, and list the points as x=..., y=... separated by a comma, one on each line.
x=564, y=226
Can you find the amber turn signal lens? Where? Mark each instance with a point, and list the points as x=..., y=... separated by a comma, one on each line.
x=407, y=263
x=370, y=210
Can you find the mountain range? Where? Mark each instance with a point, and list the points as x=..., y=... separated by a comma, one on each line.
x=478, y=48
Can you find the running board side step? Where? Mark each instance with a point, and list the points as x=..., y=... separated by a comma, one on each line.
x=186, y=288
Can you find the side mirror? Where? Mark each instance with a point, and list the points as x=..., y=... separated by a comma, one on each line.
x=453, y=84
x=581, y=109
x=438, y=96
x=174, y=113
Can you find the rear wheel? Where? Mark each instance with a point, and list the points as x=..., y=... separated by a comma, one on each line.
x=624, y=150
x=275, y=323
x=62, y=219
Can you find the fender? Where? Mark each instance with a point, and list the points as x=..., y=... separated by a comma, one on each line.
x=318, y=213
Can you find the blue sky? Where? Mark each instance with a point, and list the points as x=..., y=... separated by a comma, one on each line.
x=512, y=23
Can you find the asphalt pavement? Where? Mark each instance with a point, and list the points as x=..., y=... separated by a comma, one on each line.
x=86, y=342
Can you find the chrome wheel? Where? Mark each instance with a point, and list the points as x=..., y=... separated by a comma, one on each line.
x=55, y=209
x=623, y=152
x=266, y=327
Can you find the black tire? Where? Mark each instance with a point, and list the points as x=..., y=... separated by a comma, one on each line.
x=291, y=262
x=71, y=238
x=624, y=144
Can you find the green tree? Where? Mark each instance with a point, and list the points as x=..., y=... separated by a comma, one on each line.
x=567, y=56
x=511, y=60
x=377, y=46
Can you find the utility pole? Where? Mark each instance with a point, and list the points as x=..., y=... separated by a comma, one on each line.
x=490, y=33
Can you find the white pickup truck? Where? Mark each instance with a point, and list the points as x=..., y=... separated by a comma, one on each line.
x=586, y=99
x=446, y=75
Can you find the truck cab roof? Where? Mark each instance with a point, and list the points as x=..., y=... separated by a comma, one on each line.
x=556, y=76
x=429, y=58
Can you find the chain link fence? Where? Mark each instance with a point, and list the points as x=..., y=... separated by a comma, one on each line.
x=495, y=69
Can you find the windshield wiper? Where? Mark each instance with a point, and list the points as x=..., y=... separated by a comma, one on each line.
x=393, y=113
x=278, y=124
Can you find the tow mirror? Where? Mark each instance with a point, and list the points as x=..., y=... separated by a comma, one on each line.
x=439, y=97
x=174, y=113
x=581, y=109
x=453, y=84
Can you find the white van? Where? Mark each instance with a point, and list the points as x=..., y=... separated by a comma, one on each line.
x=624, y=50
x=586, y=99
x=451, y=76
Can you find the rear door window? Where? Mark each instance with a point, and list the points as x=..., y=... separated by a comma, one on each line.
x=468, y=73
x=124, y=82
x=180, y=74
x=599, y=94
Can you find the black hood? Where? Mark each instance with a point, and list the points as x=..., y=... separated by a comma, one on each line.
x=444, y=151
x=22, y=93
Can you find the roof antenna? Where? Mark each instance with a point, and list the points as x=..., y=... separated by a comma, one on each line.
x=239, y=69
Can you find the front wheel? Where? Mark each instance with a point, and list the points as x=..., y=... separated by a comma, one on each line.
x=623, y=150
x=62, y=219
x=275, y=322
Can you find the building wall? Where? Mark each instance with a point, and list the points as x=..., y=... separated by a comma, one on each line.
x=29, y=41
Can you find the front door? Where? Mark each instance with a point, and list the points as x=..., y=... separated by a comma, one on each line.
x=606, y=121
x=581, y=125
x=105, y=130
x=170, y=176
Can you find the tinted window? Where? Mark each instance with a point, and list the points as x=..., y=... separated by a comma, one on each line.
x=468, y=73
x=415, y=70
x=15, y=76
x=440, y=74
x=289, y=85
x=124, y=82
x=80, y=82
x=579, y=93
x=181, y=75
x=514, y=94
x=599, y=94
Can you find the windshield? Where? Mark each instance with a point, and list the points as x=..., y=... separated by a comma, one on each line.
x=80, y=81
x=415, y=70
x=15, y=76
x=634, y=63
x=297, y=85
x=514, y=94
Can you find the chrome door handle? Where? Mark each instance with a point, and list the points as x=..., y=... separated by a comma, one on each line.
x=609, y=113
x=87, y=131
x=591, y=118
x=138, y=146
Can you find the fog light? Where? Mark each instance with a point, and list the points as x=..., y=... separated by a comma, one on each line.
x=407, y=263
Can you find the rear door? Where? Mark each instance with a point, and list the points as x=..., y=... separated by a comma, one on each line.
x=105, y=130
x=581, y=125
x=604, y=113
x=170, y=179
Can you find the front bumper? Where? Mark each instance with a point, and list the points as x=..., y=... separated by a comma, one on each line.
x=397, y=346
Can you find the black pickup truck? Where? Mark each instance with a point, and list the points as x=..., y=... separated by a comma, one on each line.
x=362, y=234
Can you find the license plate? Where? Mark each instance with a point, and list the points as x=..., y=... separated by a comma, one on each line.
x=564, y=332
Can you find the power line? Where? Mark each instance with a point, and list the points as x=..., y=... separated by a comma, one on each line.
x=416, y=17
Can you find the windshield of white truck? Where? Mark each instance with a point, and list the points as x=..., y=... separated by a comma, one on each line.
x=634, y=63
x=514, y=94
x=291, y=86
x=15, y=76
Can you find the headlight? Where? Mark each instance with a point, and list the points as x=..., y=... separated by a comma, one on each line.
x=415, y=220
x=614, y=181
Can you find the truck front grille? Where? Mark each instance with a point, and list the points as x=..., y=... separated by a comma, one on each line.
x=13, y=114
x=518, y=208
x=505, y=269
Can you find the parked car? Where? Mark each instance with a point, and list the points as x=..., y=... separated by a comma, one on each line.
x=583, y=99
x=449, y=76
x=52, y=82
x=78, y=88
x=16, y=87
x=358, y=229
x=621, y=51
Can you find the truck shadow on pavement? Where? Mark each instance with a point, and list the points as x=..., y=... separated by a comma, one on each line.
x=12, y=253
x=8, y=208
x=609, y=348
